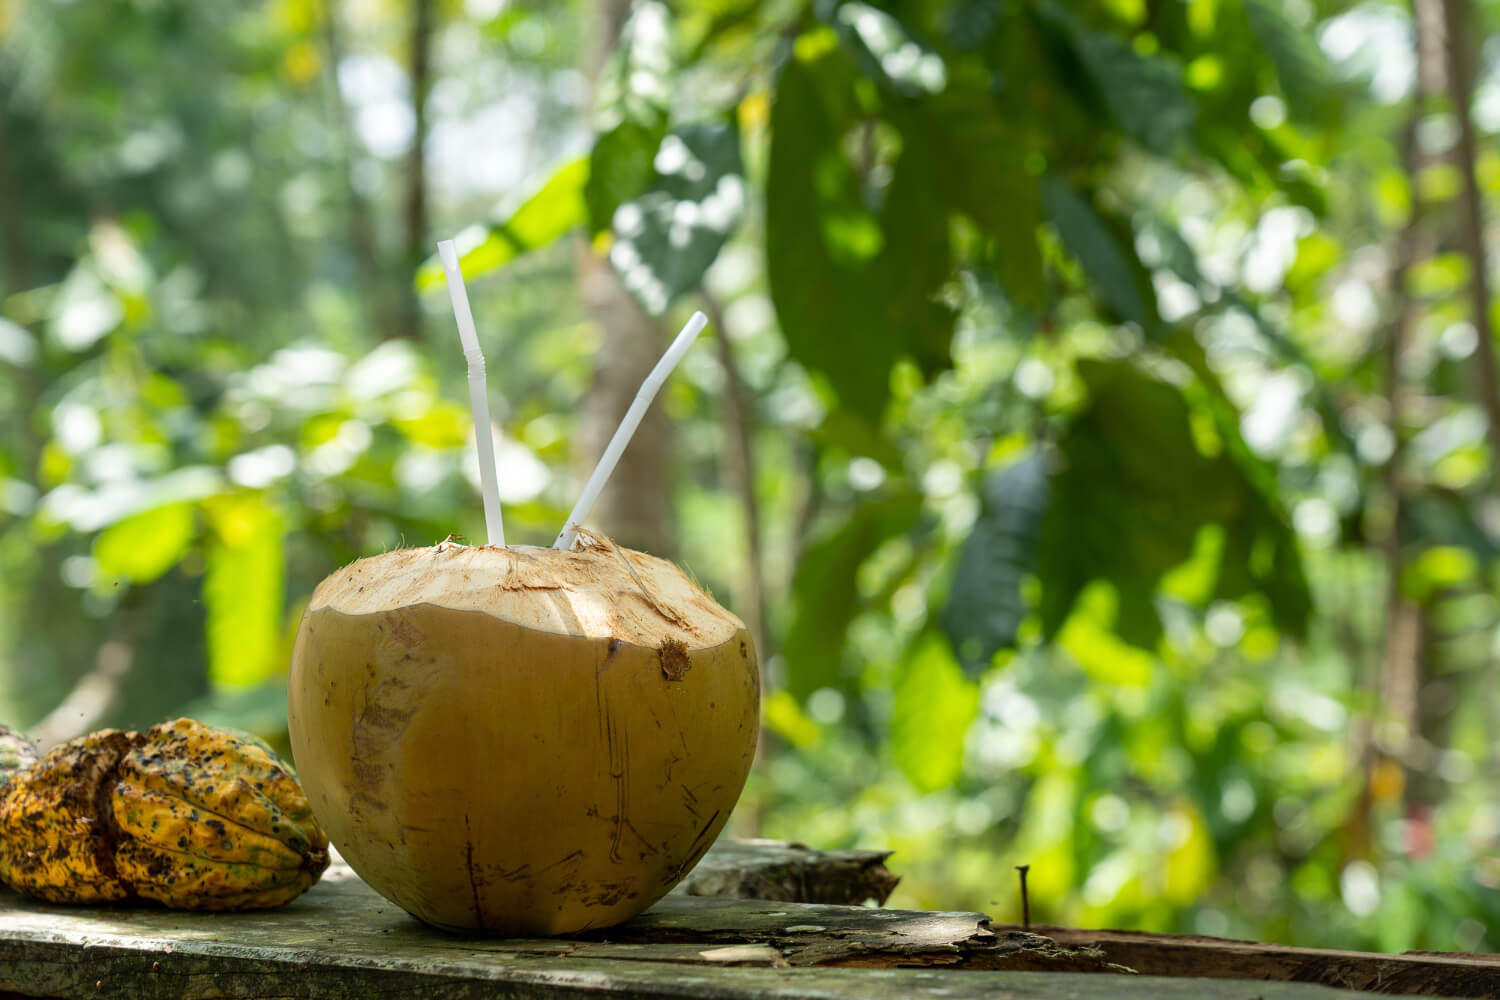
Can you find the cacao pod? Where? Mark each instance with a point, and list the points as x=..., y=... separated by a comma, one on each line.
x=188, y=816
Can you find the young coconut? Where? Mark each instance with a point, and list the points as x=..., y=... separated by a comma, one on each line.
x=521, y=741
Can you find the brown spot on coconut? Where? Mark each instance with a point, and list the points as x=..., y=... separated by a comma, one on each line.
x=528, y=735
x=675, y=661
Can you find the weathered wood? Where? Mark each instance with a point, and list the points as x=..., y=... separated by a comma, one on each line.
x=807, y=934
x=773, y=869
x=342, y=940
x=199, y=976
x=1438, y=974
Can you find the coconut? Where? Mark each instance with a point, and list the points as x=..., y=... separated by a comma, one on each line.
x=521, y=741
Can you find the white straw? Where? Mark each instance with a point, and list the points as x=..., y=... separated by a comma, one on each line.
x=627, y=427
x=479, y=400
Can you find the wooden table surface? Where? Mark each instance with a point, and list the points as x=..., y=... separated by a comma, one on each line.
x=341, y=939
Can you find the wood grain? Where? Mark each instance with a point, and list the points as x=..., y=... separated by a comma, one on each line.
x=1435, y=974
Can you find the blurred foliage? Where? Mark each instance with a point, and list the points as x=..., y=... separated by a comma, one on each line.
x=1064, y=331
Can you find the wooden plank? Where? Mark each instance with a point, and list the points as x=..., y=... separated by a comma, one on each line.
x=201, y=977
x=342, y=940
x=1438, y=974
x=773, y=869
x=341, y=910
x=805, y=934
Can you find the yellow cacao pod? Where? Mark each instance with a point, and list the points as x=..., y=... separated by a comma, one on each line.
x=188, y=816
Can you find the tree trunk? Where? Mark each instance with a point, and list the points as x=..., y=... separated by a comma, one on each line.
x=415, y=248
x=633, y=509
x=1459, y=48
x=369, y=273
x=1412, y=688
x=1399, y=686
x=1449, y=665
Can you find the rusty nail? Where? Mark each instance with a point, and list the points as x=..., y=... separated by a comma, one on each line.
x=1025, y=901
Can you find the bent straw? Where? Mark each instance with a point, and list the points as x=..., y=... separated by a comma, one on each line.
x=626, y=430
x=479, y=400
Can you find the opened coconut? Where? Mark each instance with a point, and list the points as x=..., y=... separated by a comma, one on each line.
x=521, y=740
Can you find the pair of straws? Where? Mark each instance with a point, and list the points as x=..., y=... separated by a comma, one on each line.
x=479, y=402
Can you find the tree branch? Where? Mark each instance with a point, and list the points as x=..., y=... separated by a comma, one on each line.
x=739, y=472
x=362, y=242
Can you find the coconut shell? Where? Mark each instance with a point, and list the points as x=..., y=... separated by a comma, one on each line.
x=519, y=740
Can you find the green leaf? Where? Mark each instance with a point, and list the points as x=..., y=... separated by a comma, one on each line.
x=109, y=506
x=842, y=429
x=1090, y=640
x=547, y=215
x=1260, y=552
x=817, y=248
x=143, y=547
x=1107, y=259
x=711, y=27
x=979, y=150
x=855, y=290
x=1126, y=505
x=1134, y=492
x=500, y=27
x=633, y=98
x=985, y=608
x=932, y=706
x=243, y=591
x=1448, y=519
x=825, y=598
x=668, y=237
x=971, y=23
x=619, y=169
x=915, y=260
x=1190, y=866
x=1143, y=95
x=784, y=716
x=1301, y=68
x=1261, y=556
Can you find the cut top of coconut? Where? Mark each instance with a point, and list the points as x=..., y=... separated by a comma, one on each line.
x=598, y=591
